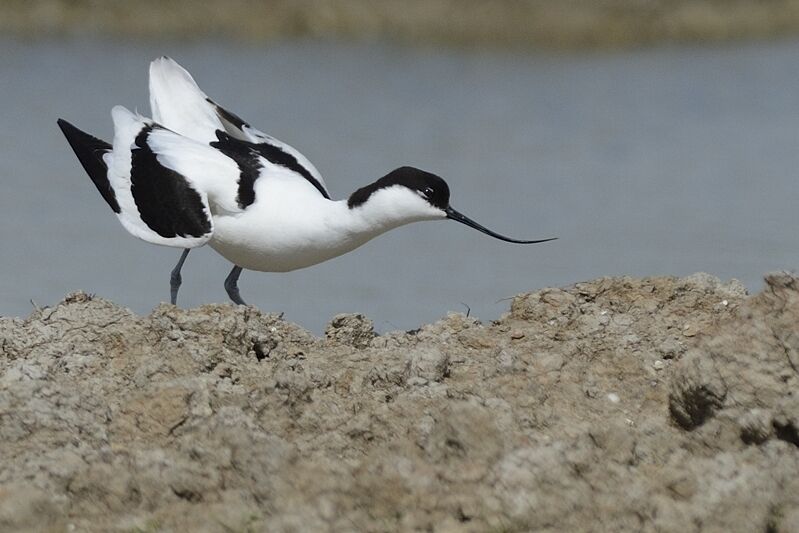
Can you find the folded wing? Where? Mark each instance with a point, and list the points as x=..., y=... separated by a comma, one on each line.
x=163, y=187
x=179, y=104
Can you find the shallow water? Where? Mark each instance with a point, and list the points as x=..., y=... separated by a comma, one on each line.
x=658, y=161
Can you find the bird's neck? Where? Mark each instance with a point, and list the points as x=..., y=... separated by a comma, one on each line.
x=365, y=222
x=383, y=211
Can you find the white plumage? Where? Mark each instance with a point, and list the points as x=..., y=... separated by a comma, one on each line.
x=178, y=103
x=198, y=174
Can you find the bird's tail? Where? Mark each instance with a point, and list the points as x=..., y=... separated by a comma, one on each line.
x=91, y=153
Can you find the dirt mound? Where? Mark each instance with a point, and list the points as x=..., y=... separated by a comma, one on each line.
x=614, y=405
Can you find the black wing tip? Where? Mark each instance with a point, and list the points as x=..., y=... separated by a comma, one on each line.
x=65, y=126
x=77, y=135
x=235, y=120
x=89, y=150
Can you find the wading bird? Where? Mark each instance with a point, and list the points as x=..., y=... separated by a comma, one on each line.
x=198, y=174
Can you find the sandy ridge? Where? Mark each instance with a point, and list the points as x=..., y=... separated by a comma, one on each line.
x=619, y=404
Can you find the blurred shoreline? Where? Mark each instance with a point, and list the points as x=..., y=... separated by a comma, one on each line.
x=568, y=24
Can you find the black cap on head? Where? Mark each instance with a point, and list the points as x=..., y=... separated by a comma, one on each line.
x=434, y=189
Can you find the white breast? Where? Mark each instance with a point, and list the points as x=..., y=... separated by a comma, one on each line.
x=289, y=226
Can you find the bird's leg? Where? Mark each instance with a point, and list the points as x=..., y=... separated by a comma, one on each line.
x=174, y=279
x=232, y=285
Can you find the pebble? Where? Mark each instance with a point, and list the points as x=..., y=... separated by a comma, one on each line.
x=670, y=348
x=614, y=398
x=689, y=330
x=658, y=365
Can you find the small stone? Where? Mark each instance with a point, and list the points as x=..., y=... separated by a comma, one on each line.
x=591, y=391
x=658, y=365
x=506, y=362
x=351, y=329
x=670, y=349
x=417, y=382
x=697, y=391
x=755, y=426
x=614, y=398
x=683, y=487
x=428, y=363
x=689, y=330
x=516, y=335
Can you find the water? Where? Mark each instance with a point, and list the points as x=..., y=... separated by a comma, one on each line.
x=660, y=161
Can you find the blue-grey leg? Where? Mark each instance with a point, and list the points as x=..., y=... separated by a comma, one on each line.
x=232, y=285
x=175, y=279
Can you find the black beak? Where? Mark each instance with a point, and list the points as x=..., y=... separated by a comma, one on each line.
x=463, y=219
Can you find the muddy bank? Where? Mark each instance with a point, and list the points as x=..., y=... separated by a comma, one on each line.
x=619, y=404
x=530, y=23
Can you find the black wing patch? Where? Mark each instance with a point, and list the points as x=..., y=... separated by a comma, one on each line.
x=223, y=113
x=246, y=155
x=275, y=155
x=248, y=162
x=90, y=151
x=166, y=202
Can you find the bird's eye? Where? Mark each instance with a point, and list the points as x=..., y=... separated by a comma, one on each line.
x=428, y=191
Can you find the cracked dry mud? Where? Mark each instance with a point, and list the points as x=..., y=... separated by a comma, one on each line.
x=620, y=404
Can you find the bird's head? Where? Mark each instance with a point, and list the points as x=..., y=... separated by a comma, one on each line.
x=410, y=194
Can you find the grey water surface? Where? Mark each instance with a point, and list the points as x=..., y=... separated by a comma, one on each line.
x=668, y=160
